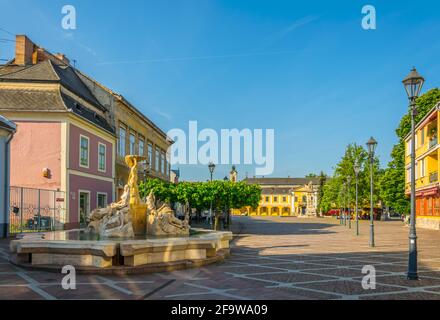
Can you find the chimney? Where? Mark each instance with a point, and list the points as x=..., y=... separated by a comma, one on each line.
x=62, y=57
x=24, y=49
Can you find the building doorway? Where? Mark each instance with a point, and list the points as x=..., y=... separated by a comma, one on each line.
x=84, y=206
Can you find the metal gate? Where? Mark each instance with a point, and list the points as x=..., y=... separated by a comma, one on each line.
x=33, y=210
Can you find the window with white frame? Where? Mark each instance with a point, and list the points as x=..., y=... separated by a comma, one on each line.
x=102, y=150
x=422, y=167
x=157, y=161
x=121, y=141
x=102, y=200
x=162, y=162
x=408, y=147
x=84, y=151
x=141, y=146
x=150, y=155
x=417, y=171
x=408, y=175
x=132, y=143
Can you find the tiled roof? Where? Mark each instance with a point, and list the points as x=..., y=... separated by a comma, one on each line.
x=46, y=71
x=48, y=101
x=276, y=191
x=86, y=113
x=42, y=71
x=282, y=181
x=31, y=100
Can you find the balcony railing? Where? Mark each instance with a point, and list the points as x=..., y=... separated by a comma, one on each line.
x=433, y=177
x=432, y=143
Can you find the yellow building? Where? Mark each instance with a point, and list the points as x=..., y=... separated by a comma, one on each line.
x=284, y=197
x=427, y=168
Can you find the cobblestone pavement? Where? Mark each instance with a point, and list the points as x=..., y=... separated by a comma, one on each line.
x=272, y=258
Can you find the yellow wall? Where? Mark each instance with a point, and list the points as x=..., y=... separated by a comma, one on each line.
x=428, y=152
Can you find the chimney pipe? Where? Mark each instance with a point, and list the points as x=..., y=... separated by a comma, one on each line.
x=24, y=49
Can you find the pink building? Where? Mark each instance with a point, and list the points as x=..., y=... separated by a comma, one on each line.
x=64, y=139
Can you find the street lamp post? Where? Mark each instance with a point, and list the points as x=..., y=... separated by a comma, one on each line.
x=344, y=222
x=413, y=84
x=371, y=147
x=348, y=195
x=340, y=205
x=211, y=168
x=356, y=173
x=345, y=204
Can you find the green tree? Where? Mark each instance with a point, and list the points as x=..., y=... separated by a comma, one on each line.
x=322, y=181
x=336, y=191
x=223, y=195
x=392, y=189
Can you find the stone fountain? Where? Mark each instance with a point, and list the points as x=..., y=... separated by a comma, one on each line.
x=127, y=236
x=131, y=216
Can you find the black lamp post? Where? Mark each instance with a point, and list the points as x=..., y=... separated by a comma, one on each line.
x=344, y=222
x=371, y=148
x=211, y=167
x=413, y=85
x=348, y=202
x=357, y=169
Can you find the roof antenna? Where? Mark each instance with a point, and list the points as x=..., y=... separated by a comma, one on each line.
x=74, y=63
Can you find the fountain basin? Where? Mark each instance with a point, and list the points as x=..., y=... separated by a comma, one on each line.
x=52, y=251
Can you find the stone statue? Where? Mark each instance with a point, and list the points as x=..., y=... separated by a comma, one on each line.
x=114, y=221
x=161, y=219
x=131, y=216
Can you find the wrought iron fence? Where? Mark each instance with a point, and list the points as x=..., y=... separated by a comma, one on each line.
x=33, y=210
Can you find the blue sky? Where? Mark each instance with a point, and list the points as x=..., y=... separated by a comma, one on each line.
x=304, y=68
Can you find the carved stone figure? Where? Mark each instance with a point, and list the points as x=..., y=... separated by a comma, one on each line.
x=130, y=215
x=162, y=221
x=114, y=221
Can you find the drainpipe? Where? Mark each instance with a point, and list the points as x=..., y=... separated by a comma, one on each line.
x=5, y=232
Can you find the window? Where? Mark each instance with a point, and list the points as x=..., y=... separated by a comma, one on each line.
x=141, y=146
x=416, y=141
x=162, y=162
x=422, y=168
x=121, y=142
x=84, y=152
x=408, y=175
x=422, y=136
x=408, y=147
x=275, y=199
x=102, y=200
x=132, y=143
x=304, y=199
x=267, y=199
x=284, y=199
x=101, y=156
x=417, y=171
x=157, y=156
x=150, y=155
